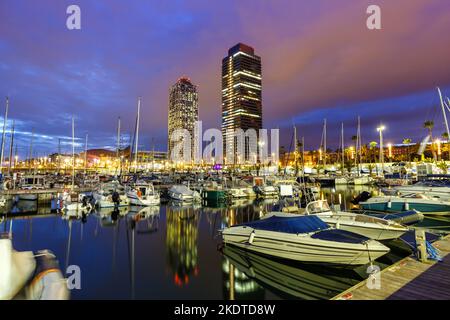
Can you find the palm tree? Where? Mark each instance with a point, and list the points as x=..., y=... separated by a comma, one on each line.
x=429, y=124
x=372, y=146
x=408, y=141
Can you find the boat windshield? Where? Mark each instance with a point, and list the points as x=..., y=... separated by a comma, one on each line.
x=317, y=207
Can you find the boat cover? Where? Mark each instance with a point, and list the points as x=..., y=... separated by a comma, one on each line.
x=339, y=236
x=301, y=224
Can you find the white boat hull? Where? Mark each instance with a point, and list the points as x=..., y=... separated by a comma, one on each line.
x=301, y=247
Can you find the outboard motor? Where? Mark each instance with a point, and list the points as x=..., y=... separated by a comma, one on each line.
x=363, y=196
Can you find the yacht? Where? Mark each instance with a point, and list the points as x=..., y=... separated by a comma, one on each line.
x=413, y=201
x=67, y=202
x=143, y=194
x=264, y=190
x=31, y=182
x=110, y=194
x=367, y=226
x=433, y=188
x=182, y=193
x=303, y=238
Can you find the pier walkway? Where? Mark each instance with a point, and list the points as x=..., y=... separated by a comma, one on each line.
x=409, y=279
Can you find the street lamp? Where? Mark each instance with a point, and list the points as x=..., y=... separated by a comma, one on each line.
x=390, y=150
x=380, y=130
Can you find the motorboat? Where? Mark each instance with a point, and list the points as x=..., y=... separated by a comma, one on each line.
x=180, y=192
x=433, y=188
x=303, y=238
x=367, y=226
x=24, y=275
x=413, y=201
x=110, y=195
x=29, y=183
x=240, y=189
x=69, y=202
x=362, y=180
x=264, y=190
x=143, y=194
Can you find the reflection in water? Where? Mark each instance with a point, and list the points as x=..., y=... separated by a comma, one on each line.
x=181, y=242
x=284, y=278
x=237, y=285
x=142, y=221
x=123, y=253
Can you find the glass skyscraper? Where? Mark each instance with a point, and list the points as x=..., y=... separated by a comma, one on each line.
x=183, y=112
x=241, y=97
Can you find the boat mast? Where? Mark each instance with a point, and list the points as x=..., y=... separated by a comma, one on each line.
x=295, y=150
x=342, y=147
x=137, y=136
x=73, y=153
x=324, y=144
x=30, y=165
x=357, y=149
x=3, y=135
x=443, y=113
x=85, y=153
x=11, y=145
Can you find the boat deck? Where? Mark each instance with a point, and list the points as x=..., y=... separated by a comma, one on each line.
x=409, y=279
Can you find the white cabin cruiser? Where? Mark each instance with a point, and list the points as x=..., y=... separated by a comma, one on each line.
x=143, y=194
x=368, y=226
x=68, y=202
x=303, y=238
x=32, y=182
x=432, y=188
x=180, y=192
x=110, y=194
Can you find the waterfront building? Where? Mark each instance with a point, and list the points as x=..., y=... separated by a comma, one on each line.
x=183, y=113
x=241, y=98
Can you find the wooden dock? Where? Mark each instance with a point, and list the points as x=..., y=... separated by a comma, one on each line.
x=409, y=279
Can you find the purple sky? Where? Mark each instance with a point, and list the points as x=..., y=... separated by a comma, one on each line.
x=319, y=61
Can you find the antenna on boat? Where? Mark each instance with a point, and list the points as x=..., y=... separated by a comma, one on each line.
x=5, y=119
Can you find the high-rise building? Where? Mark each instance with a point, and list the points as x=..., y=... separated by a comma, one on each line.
x=241, y=96
x=183, y=111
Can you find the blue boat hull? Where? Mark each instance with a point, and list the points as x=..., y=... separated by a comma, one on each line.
x=400, y=206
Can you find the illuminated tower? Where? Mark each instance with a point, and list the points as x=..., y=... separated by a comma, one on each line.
x=241, y=94
x=183, y=110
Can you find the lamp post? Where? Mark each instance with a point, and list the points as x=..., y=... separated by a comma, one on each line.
x=380, y=130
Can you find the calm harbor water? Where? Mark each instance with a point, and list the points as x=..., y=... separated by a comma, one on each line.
x=171, y=252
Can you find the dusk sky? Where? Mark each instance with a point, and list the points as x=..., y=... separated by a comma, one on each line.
x=319, y=61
